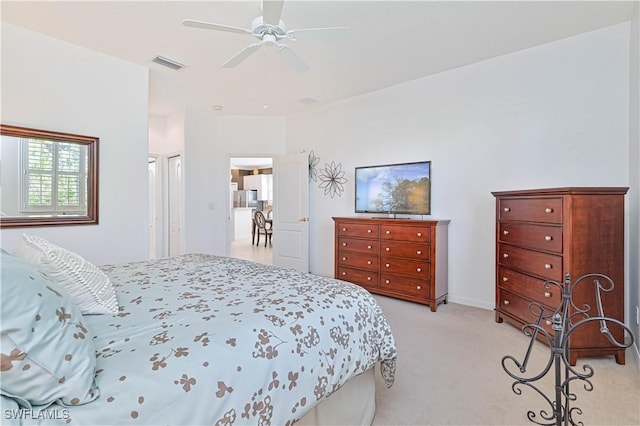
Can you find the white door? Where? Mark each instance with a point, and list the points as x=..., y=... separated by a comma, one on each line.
x=291, y=212
x=153, y=208
x=175, y=205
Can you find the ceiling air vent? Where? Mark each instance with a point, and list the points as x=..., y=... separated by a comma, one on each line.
x=161, y=60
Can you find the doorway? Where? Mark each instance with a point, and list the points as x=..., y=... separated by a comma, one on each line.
x=251, y=189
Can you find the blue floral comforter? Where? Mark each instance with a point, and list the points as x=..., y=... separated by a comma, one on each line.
x=212, y=340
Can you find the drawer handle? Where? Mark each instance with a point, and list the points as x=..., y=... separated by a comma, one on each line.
x=344, y=274
x=369, y=231
x=387, y=265
x=505, y=255
x=369, y=247
x=368, y=278
x=419, y=287
x=548, y=238
x=505, y=232
x=387, y=249
x=548, y=322
x=548, y=266
x=388, y=232
x=344, y=244
x=419, y=234
x=547, y=294
x=418, y=269
x=419, y=252
x=368, y=262
x=505, y=279
x=387, y=281
x=548, y=210
x=507, y=209
x=344, y=229
x=344, y=258
x=506, y=302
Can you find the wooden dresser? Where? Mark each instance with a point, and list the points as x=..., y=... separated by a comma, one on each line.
x=543, y=234
x=401, y=258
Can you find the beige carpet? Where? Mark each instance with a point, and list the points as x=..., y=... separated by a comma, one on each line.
x=449, y=373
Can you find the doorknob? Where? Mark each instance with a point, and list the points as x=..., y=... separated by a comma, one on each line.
x=303, y=219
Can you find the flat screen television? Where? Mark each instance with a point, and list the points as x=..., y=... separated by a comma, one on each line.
x=394, y=188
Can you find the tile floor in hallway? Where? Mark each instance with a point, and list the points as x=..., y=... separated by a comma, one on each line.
x=243, y=249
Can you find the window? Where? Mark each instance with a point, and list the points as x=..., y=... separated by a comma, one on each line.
x=47, y=178
x=54, y=179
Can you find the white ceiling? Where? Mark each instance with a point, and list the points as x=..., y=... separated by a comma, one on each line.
x=250, y=163
x=389, y=42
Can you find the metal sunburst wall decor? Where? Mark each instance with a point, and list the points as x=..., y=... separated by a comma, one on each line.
x=332, y=179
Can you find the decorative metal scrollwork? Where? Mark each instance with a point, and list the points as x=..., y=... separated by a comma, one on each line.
x=565, y=320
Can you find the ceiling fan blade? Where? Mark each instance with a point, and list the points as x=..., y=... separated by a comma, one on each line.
x=292, y=58
x=321, y=34
x=242, y=55
x=271, y=11
x=217, y=27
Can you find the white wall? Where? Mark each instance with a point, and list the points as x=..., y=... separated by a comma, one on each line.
x=634, y=168
x=208, y=141
x=245, y=136
x=166, y=133
x=551, y=116
x=53, y=85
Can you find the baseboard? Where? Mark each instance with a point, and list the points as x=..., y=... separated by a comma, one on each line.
x=470, y=302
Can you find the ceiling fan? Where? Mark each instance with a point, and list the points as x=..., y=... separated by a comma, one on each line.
x=270, y=30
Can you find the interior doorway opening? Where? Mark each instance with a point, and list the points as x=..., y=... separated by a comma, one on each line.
x=251, y=190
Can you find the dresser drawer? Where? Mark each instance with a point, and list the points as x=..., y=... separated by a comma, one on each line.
x=401, y=284
x=362, y=230
x=419, y=234
x=541, y=237
x=395, y=265
x=529, y=287
x=519, y=308
x=545, y=210
x=358, y=260
x=544, y=265
x=358, y=276
x=400, y=249
x=356, y=244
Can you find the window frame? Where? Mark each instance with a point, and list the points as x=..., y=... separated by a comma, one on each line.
x=42, y=218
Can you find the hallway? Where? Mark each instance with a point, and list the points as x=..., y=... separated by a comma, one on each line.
x=243, y=249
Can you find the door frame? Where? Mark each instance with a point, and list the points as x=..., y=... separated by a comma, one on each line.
x=158, y=212
x=167, y=215
x=227, y=194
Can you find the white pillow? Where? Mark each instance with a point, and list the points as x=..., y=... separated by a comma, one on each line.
x=89, y=288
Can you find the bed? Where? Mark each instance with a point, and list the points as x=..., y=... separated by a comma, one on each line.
x=201, y=339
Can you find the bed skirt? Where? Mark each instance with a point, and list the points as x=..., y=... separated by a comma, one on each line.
x=353, y=404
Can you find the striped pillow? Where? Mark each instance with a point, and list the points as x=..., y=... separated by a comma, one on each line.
x=89, y=288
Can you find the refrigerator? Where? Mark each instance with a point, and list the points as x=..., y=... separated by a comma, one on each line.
x=245, y=198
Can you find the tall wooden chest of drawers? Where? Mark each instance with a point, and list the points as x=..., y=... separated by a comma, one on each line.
x=401, y=258
x=543, y=234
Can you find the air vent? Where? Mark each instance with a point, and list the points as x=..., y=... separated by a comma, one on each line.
x=161, y=60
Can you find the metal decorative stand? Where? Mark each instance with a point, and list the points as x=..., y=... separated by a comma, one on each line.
x=564, y=325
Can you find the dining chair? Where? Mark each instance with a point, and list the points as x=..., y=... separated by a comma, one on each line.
x=262, y=228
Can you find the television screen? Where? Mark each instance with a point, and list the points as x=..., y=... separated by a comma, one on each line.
x=394, y=188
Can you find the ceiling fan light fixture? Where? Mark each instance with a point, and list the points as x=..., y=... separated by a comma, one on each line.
x=269, y=39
